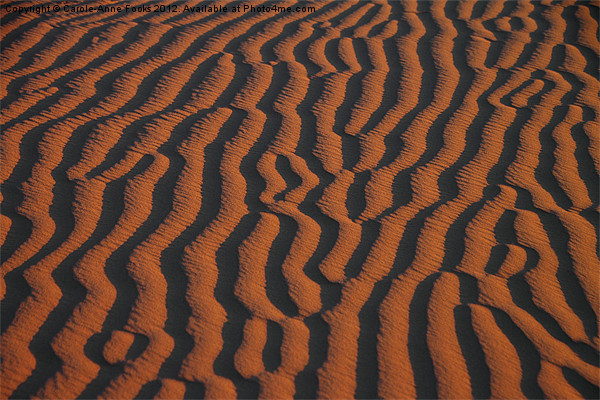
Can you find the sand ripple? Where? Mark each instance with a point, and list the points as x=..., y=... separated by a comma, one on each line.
x=383, y=199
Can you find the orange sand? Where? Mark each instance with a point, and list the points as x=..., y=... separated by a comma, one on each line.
x=375, y=199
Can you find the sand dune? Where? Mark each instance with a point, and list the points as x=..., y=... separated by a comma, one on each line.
x=370, y=199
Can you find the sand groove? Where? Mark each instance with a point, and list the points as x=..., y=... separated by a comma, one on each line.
x=383, y=199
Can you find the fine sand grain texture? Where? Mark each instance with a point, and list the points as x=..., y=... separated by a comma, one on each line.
x=364, y=199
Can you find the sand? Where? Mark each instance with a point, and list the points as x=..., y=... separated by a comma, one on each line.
x=366, y=199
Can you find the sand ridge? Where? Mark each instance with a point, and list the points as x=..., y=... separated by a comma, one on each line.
x=376, y=199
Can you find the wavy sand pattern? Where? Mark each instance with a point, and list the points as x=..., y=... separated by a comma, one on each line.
x=374, y=199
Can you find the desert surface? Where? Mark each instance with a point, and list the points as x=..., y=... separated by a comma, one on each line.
x=321, y=199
